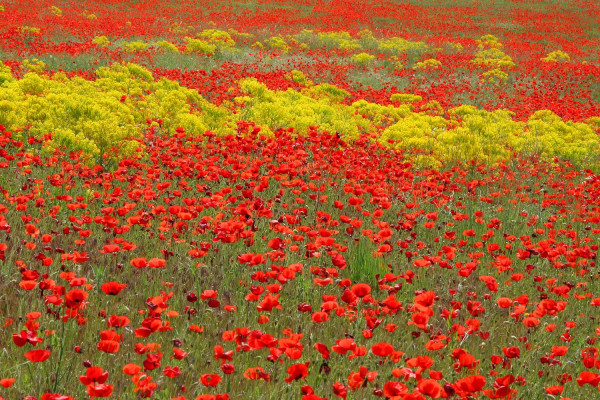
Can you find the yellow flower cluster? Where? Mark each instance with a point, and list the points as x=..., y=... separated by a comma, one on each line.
x=30, y=29
x=490, y=54
x=136, y=45
x=363, y=58
x=102, y=41
x=430, y=63
x=277, y=43
x=167, y=46
x=56, y=11
x=495, y=75
x=557, y=56
x=221, y=39
x=329, y=40
x=112, y=112
x=199, y=46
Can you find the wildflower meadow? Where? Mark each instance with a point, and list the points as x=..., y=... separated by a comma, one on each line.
x=309, y=199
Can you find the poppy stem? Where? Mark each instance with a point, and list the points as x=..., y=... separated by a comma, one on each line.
x=60, y=356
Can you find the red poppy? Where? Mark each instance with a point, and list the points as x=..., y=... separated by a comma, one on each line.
x=297, y=371
x=431, y=388
x=113, y=288
x=211, y=380
x=75, y=298
x=94, y=375
x=37, y=355
x=100, y=390
x=394, y=390
x=382, y=349
x=7, y=382
x=361, y=289
x=471, y=384
x=108, y=346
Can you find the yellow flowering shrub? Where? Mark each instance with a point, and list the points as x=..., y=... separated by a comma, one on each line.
x=34, y=65
x=428, y=64
x=30, y=30
x=199, y=46
x=299, y=77
x=494, y=76
x=329, y=40
x=56, y=11
x=95, y=116
x=111, y=111
x=488, y=42
x=101, y=41
x=493, y=58
x=136, y=45
x=167, y=46
x=557, y=56
x=490, y=54
x=88, y=15
x=363, y=58
x=282, y=109
x=405, y=97
x=277, y=43
x=5, y=74
x=221, y=39
x=397, y=45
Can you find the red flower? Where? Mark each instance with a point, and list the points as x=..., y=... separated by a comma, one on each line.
x=361, y=289
x=471, y=384
x=113, y=288
x=383, y=349
x=94, y=375
x=297, y=371
x=430, y=388
x=394, y=390
x=74, y=298
x=100, y=390
x=37, y=355
x=211, y=380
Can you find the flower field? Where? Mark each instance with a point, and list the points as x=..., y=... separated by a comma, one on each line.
x=333, y=199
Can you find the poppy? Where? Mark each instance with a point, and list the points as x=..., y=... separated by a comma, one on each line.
x=430, y=388
x=113, y=288
x=100, y=390
x=296, y=372
x=37, y=355
x=210, y=380
x=382, y=349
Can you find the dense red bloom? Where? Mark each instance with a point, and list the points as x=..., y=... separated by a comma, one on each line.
x=382, y=349
x=100, y=390
x=361, y=289
x=37, y=355
x=297, y=371
x=394, y=390
x=7, y=382
x=431, y=388
x=471, y=384
x=211, y=380
x=75, y=298
x=113, y=288
x=94, y=375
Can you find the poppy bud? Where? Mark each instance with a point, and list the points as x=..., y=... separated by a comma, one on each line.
x=449, y=389
x=192, y=298
x=228, y=369
x=87, y=363
x=177, y=342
